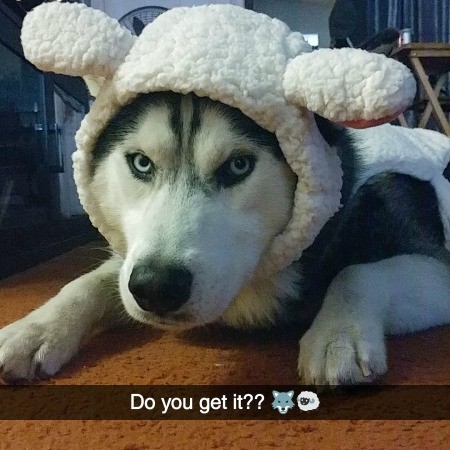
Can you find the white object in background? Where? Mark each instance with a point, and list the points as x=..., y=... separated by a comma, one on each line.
x=118, y=8
x=67, y=121
x=312, y=39
x=405, y=37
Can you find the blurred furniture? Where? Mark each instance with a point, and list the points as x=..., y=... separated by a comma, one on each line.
x=40, y=215
x=347, y=23
x=430, y=64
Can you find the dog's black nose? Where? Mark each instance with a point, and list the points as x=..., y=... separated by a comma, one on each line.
x=159, y=288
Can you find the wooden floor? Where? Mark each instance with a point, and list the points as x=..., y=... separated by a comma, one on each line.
x=146, y=356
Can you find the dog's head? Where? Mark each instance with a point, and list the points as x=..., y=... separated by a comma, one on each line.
x=197, y=192
x=184, y=190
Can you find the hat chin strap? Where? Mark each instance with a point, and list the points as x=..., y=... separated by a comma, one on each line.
x=318, y=193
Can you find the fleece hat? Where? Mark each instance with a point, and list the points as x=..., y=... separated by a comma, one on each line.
x=236, y=56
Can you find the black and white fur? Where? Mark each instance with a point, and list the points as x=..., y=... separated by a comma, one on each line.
x=198, y=191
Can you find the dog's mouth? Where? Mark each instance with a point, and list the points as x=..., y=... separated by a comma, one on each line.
x=176, y=321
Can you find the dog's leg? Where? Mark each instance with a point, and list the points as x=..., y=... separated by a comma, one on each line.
x=345, y=343
x=40, y=343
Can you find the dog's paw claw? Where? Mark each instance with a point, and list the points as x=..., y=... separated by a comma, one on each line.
x=334, y=383
x=365, y=369
x=341, y=355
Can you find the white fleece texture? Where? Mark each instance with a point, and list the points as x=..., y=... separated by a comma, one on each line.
x=239, y=57
x=74, y=40
x=423, y=154
x=349, y=84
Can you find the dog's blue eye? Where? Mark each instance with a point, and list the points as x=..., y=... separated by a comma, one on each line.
x=140, y=165
x=235, y=170
x=240, y=165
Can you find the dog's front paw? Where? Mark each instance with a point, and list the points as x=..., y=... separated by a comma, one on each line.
x=347, y=354
x=34, y=349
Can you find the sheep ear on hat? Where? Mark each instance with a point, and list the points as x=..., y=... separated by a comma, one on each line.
x=349, y=86
x=73, y=39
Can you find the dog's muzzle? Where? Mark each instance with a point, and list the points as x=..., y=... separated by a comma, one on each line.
x=160, y=288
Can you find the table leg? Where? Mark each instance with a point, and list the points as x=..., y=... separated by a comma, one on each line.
x=428, y=109
x=401, y=118
x=436, y=107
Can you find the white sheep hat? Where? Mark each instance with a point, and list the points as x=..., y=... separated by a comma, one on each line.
x=239, y=57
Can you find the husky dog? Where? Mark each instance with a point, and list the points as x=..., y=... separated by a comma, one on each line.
x=197, y=192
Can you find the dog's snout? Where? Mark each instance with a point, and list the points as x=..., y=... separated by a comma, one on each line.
x=160, y=289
